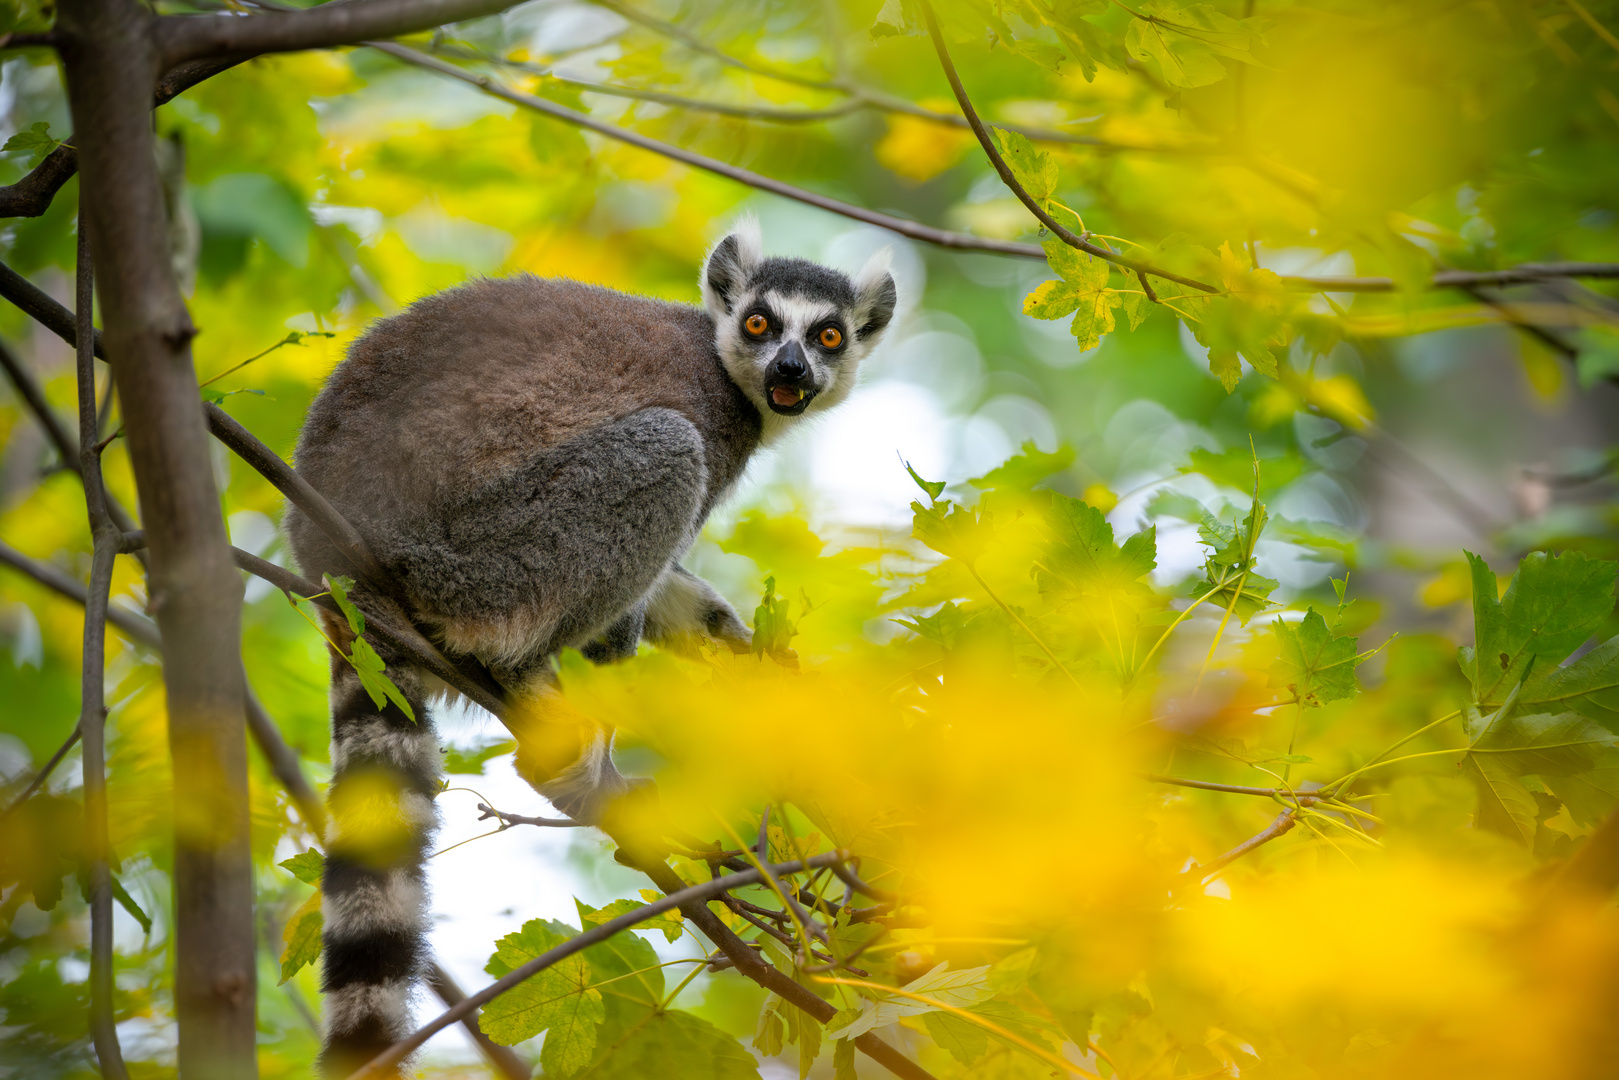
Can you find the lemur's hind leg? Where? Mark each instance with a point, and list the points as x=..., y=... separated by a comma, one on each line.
x=555, y=554
x=682, y=606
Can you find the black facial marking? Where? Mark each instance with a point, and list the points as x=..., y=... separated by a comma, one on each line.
x=800, y=277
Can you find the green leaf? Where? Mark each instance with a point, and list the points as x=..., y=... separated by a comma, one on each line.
x=368, y=665
x=773, y=630
x=625, y=955
x=964, y=1040
x=843, y=1060
x=943, y=627
x=1315, y=665
x=1544, y=743
x=1589, y=686
x=1504, y=804
x=1035, y=169
x=1082, y=291
x=471, y=762
x=953, y=531
x=679, y=1040
x=1024, y=470
x=127, y=902
x=897, y=19
x=769, y=1035
x=669, y=922
x=1553, y=605
x=36, y=142
x=362, y=657
x=339, y=587
x=1224, y=365
x=805, y=1031
x=956, y=988
x=1180, y=61
x=934, y=488
x=1083, y=554
x=302, y=937
x=307, y=866
x=560, y=999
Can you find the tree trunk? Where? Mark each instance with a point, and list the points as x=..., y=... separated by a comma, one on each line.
x=112, y=67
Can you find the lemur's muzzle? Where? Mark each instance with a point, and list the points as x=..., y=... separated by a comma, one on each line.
x=789, y=383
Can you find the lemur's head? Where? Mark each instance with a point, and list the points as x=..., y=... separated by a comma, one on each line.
x=792, y=333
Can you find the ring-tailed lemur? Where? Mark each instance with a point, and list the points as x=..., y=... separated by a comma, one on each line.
x=530, y=459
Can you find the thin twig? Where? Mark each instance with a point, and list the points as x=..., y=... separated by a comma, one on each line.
x=43, y=775
x=912, y=229
x=1284, y=823
x=507, y=820
x=1011, y=181
x=107, y=537
x=847, y=875
x=1237, y=789
x=282, y=760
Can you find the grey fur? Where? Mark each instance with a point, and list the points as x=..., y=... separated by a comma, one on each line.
x=530, y=459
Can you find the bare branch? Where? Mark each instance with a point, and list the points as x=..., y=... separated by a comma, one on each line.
x=749, y=963
x=44, y=773
x=133, y=626
x=508, y=820
x=34, y=397
x=281, y=758
x=1284, y=823
x=1235, y=789
x=1525, y=274
x=47, y=312
x=474, y=683
x=192, y=37
x=1011, y=181
x=680, y=898
x=348, y=541
x=92, y=726
x=503, y=1058
x=912, y=229
x=847, y=875
x=32, y=195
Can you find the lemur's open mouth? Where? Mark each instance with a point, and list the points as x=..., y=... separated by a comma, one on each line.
x=789, y=400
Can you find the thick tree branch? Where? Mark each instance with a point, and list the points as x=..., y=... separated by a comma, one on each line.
x=679, y=898
x=1011, y=181
x=112, y=67
x=192, y=37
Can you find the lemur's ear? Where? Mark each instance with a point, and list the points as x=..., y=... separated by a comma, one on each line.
x=874, y=297
x=729, y=265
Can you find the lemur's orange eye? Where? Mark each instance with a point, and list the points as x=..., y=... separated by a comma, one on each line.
x=757, y=324
x=831, y=337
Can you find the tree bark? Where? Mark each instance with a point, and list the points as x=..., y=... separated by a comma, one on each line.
x=112, y=64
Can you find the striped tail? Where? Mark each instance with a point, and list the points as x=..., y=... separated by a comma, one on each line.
x=385, y=772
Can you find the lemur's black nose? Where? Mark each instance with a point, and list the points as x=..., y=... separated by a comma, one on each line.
x=789, y=364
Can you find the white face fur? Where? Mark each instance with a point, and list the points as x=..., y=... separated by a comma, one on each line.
x=792, y=333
